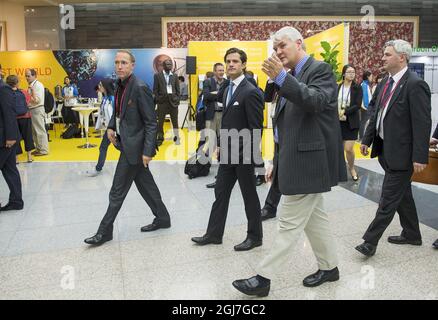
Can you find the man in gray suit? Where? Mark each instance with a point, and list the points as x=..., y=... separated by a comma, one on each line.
x=167, y=96
x=132, y=129
x=308, y=159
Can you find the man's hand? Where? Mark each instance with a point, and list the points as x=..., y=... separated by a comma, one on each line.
x=268, y=175
x=146, y=160
x=272, y=66
x=364, y=149
x=112, y=136
x=433, y=142
x=418, y=167
x=10, y=143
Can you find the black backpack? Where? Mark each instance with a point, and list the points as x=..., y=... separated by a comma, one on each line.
x=198, y=165
x=49, y=101
x=72, y=132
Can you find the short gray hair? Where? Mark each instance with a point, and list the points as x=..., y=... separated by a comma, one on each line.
x=401, y=47
x=129, y=52
x=291, y=33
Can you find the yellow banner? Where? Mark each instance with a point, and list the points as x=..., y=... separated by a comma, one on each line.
x=49, y=71
x=338, y=34
x=210, y=52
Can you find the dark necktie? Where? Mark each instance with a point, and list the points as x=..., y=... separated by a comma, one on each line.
x=386, y=93
x=230, y=92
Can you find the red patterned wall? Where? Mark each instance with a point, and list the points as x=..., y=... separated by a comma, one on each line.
x=365, y=45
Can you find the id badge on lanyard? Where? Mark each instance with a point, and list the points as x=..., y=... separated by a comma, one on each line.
x=118, y=125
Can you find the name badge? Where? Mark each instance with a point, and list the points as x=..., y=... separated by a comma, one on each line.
x=169, y=89
x=118, y=125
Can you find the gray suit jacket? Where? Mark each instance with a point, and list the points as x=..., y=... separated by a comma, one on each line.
x=310, y=157
x=138, y=122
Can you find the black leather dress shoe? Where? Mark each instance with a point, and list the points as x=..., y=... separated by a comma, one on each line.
x=320, y=277
x=211, y=185
x=254, y=286
x=248, y=244
x=202, y=241
x=366, y=249
x=435, y=244
x=11, y=207
x=260, y=180
x=403, y=240
x=98, y=239
x=266, y=214
x=154, y=226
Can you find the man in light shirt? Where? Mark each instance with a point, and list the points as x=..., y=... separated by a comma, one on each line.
x=36, y=106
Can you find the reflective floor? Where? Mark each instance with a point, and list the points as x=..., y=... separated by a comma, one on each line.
x=43, y=256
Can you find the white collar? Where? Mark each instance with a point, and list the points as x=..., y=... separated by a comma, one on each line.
x=170, y=73
x=33, y=82
x=399, y=75
x=238, y=80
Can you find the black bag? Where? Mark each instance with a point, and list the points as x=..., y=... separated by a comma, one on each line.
x=200, y=113
x=49, y=101
x=198, y=165
x=72, y=132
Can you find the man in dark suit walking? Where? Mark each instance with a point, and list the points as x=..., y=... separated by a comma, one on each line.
x=308, y=160
x=8, y=144
x=399, y=132
x=167, y=96
x=132, y=129
x=242, y=122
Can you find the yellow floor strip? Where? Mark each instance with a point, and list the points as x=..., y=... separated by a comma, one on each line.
x=66, y=150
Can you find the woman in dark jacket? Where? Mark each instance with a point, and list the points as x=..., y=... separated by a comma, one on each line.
x=349, y=103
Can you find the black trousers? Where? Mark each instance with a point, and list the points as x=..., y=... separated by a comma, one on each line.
x=25, y=128
x=396, y=196
x=364, y=117
x=162, y=110
x=272, y=199
x=123, y=178
x=8, y=167
x=225, y=181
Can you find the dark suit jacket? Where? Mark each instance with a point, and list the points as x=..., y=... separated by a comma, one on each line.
x=8, y=123
x=244, y=111
x=435, y=133
x=310, y=156
x=407, y=124
x=160, y=89
x=210, y=85
x=352, y=111
x=138, y=122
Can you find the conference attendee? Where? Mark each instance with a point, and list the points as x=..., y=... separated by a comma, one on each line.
x=70, y=96
x=132, y=129
x=106, y=87
x=23, y=117
x=434, y=142
x=167, y=96
x=8, y=144
x=399, y=133
x=366, y=85
x=349, y=102
x=183, y=88
x=242, y=121
x=36, y=106
x=308, y=162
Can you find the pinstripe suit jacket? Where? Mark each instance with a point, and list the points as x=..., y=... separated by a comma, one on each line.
x=310, y=157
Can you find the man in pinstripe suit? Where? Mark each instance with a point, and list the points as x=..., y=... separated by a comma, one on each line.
x=308, y=160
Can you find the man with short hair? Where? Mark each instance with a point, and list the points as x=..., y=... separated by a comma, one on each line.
x=36, y=107
x=399, y=132
x=167, y=96
x=8, y=148
x=132, y=129
x=242, y=115
x=308, y=160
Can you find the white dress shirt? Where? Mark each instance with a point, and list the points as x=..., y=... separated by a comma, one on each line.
x=38, y=89
x=381, y=116
x=168, y=84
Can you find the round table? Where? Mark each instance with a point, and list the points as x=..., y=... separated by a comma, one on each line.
x=85, y=111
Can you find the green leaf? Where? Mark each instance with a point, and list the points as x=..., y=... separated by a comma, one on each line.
x=326, y=46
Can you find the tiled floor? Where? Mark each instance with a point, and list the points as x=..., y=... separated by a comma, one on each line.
x=42, y=254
